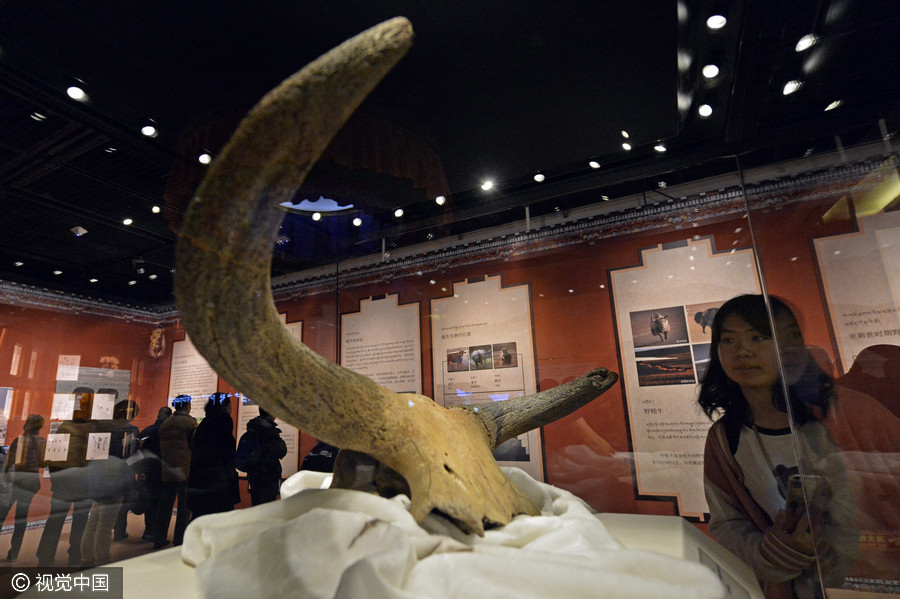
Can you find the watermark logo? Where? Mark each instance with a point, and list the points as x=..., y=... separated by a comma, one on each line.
x=61, y=583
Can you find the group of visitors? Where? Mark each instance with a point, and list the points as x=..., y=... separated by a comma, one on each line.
x=175, y=461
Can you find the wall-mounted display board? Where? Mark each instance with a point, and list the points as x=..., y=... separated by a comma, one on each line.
x=109, y=387
x=6, y=399
x=483, y=350
x=663, y=310
x=861, y=279
x=191, y=375
x=382, y=342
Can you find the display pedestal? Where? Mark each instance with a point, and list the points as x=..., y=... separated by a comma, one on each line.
x=163, y=574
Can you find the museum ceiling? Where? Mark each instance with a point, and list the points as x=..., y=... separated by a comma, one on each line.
x=495, y=91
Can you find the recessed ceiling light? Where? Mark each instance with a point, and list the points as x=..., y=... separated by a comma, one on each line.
x=78, y=231
x=110, y=150
x=539, y=177
x=18, y=263
x=204, y=158
x=716, y=22
x=806, y=42
x=710, y=71
x=57, y=272
x=132, y=282
x=155, y=210
x=38, y=116
x=487, y=185
x=127, y=222
x=833, y=105
x=791, y=86
x=92, y=280
x=317, y=216
x=152, y=277
x=626, y=146
x=705, y=110
x=624, y=134
x=398, y=212
x=660, y=147
x=357, y=222
x=76, y=93
x=149, y=131
x=594, y=164
x=662, y=185
x=604, y=198
x=440, y=200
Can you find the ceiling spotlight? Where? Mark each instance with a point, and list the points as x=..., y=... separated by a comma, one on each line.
x=660, y=147
x=661, y=184
x=806, y=42
x=594, y=164
x=317, y=216
x=357, y=222
x=38, y=116
x=57, y=272
x=92, y=280
x=716, y=22
x=791, y=86
x=604, y=198
x=18, y=263
x=149, y=131
x=152, y=277
x=398, y=212
x=539, y=177
x=833, y=105
x=705, y=110
x=78, y=231
x=155, y=210
x=132, y=282
x=127, y=222
x=440, y=200
x=487, y=185
x=710, y=71
x=624, y=134
x=204, y=158
x=626, y=146
x=110, y=150
x=76, y=93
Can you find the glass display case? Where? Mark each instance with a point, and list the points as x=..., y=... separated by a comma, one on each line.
x=632, y=285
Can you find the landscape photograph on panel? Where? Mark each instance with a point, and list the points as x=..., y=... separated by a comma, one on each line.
x=664, y=366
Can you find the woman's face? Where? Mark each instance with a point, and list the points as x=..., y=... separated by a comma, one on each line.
x=747, y=355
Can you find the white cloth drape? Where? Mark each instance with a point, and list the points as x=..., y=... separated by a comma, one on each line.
x=323, y=543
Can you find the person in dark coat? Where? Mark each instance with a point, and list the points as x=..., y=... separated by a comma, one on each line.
x=213, y=479
x=123, y=413
x=69, y=485
x=149, y=469
x=23, y=467
x=175, y=436
x=265, y=479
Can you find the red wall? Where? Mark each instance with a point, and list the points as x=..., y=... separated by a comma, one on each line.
x=573, y=332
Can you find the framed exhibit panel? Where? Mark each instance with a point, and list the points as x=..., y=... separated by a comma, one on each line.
x=191, y=375
x=861, y=280
x=663, y=311
x=483, y=350
x=382, y=341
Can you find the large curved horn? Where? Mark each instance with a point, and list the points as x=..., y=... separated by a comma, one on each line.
x=223, y=291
